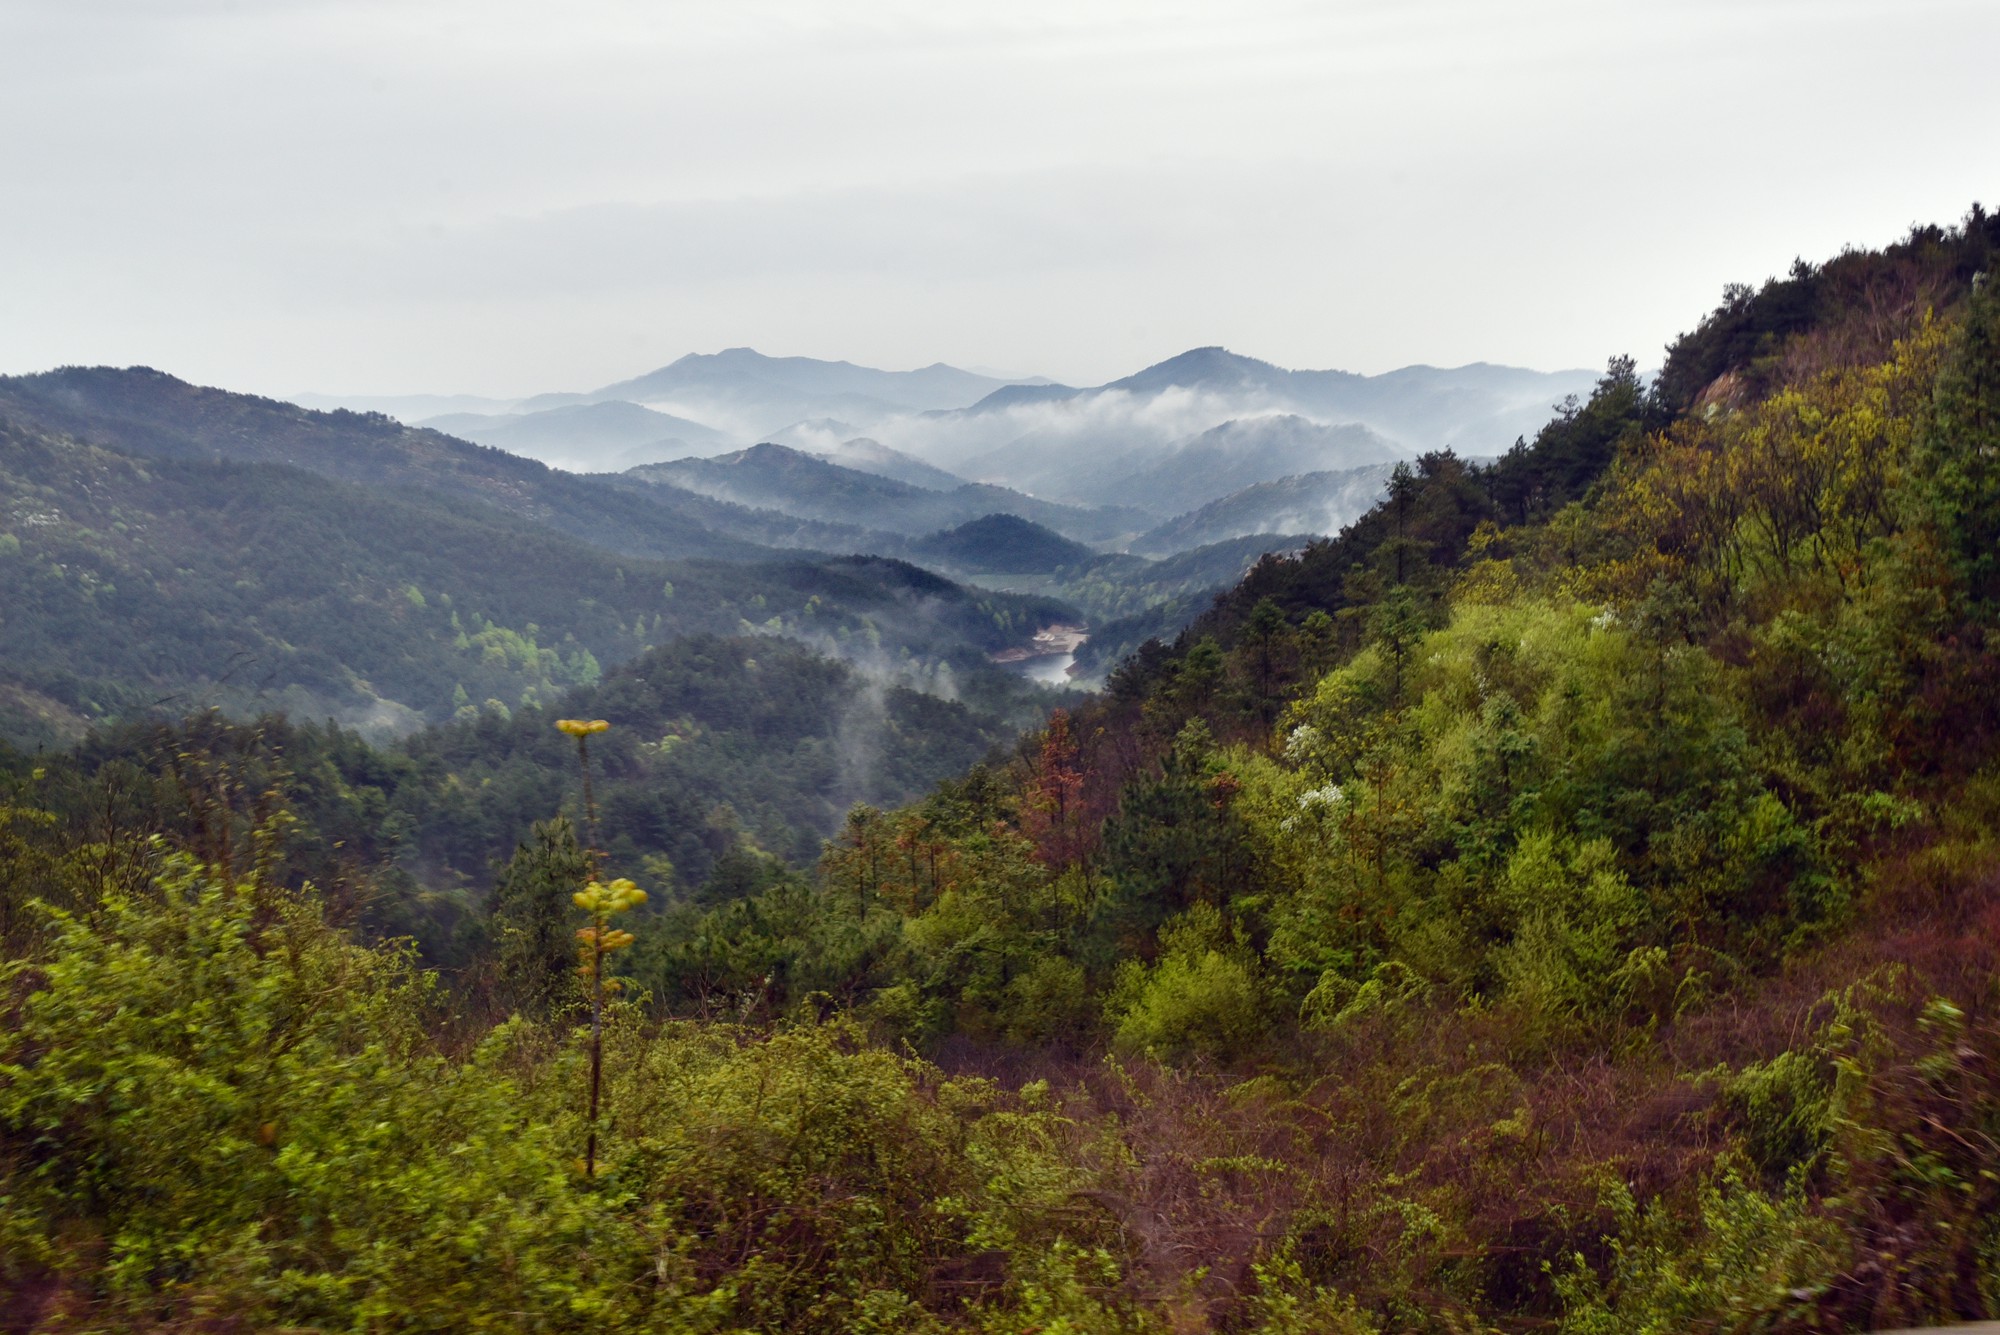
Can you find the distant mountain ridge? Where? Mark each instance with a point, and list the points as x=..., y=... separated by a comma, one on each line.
x=171, y=544
x=142, y=411
x=1140, y=439
x=1422, y=400
x=586, y=437
x=780, y=478
x=929, y=387
x=1173, y=475
x=1176, y=482
x=872, y=456
x=1246, y=451
x=1126, y=442
x=1316, y=503
x=750, y=396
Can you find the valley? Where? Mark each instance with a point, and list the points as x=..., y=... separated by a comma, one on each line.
x=1029, y=669
x=666, y=529
x=1229, y=849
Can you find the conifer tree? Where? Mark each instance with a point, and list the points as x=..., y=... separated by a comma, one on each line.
x=534, y=950
x=1961, y=451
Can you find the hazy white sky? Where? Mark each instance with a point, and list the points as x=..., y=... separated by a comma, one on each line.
x=504, y=196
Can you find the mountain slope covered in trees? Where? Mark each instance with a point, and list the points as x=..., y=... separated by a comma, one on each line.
x=145, y=412
x=140, y=584
x=727, y=753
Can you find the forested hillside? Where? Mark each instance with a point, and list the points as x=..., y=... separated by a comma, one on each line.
x=146, y=413
x=174, y=583
x=143, y=412
x=1562, y=901
x=730, y=758
x=1131, y=599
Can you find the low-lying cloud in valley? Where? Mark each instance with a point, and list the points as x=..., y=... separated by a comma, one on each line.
x=1165, y=441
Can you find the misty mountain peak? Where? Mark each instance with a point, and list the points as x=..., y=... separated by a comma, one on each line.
x=1203, y=368
x=768, y=454
x=759, y=394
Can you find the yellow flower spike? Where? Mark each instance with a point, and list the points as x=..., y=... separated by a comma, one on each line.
x=577, y=727
x=624, y=895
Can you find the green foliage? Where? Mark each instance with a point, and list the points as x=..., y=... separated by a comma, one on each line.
x=533, y=947
x=1785, y=1106
x=1287, y=1303
x=179, y=563
x=711, y=755
x=215, y=1107
x=1200, y=998
x=762, y=952
x=862, y=1186
x=1176, y=841
x=1576, y=916
x=1739, y=1260
x=1534, y=795
x=1590, y=854
x=1960, y=454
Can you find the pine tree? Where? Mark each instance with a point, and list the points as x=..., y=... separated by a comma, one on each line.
x=536, y=941
x=1961, y=452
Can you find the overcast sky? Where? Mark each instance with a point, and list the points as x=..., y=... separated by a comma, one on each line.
x=504, y=196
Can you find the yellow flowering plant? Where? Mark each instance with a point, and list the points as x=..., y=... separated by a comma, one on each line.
x=602, y=902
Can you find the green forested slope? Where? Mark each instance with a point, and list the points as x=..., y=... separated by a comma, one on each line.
x=733, y=752
x=1132, y=599
x=167, y=584
x=717, y=746
x=140, y=411
x=1563, y=901
x=1001, y=544
x=144, y=412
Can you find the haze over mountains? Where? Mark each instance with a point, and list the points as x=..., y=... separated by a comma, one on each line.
x=1137, y=499
x=777, y=477
x=1103, y=503
x=1131, y=502
x=1307, y=503
x=1164, y=442
x=214, y=547
x=586, y=437
x=173, y=546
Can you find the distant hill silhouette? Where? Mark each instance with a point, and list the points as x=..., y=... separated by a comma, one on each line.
x=1166, y=439
x=1315, y=503
x=779, y=478
x=587, y=437
x=1002, y=544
